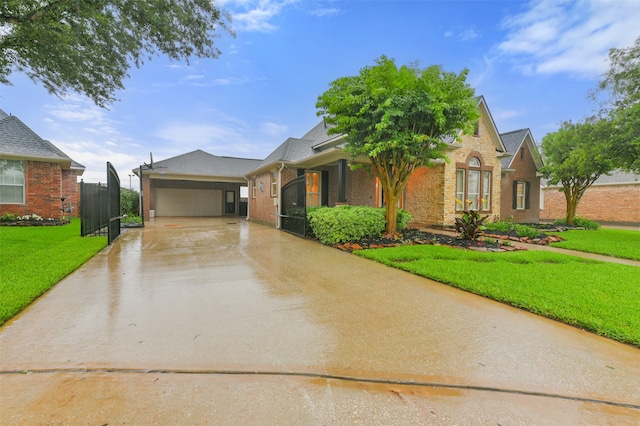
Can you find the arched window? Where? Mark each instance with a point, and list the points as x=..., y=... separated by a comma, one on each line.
x=473, y=185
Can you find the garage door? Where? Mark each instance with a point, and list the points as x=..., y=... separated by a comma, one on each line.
x=188, y=202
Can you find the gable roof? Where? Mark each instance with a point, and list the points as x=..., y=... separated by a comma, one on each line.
x=20, y=142
x=200, y=163
x=513, y=141
x=493, y=129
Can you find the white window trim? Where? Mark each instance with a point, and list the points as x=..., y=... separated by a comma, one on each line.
x=23, y=185
x=523, y=197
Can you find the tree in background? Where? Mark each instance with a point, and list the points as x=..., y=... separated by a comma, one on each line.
x=622, y=81
x=399, y=118
x=129, y=202
x=89, y=46
x=575, y=156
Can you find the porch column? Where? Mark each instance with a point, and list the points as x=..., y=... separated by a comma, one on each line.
x=342, y=181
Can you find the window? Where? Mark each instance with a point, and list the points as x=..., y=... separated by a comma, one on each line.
x=460, y=190
x=473, y=191
x=274, y=183
x=473, y=185
x=486, y=190
x=522, y=153
x=520, y=195
x=11, y=182
x=314, y=184
x=253, y=188
x=476, y=129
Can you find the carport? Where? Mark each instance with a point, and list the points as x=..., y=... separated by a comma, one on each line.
x=196, y=184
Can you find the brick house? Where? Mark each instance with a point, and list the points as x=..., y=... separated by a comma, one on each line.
x=520, y=178
x=611, y=199
x=174, y=187
x=473, y=173
x=34, y=174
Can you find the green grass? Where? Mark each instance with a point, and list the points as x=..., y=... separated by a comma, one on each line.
x=597, y=296
x=34, y=258
x=611, y=242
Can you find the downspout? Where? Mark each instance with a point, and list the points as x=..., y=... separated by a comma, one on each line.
x=278, y=209
x=249, y=194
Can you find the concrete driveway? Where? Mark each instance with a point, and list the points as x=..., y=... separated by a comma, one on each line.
x=219, y=321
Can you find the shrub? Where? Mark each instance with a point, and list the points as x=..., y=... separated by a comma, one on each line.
x=585, y=223
x=470, y=225
x=332, y=225
x=8, y=217
x=525, y=231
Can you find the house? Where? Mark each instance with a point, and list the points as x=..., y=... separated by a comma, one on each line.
x=473, y=173
x=194, y=184
x=319, y=166
x=520, y=178
x=611, y=199
x=35, y=176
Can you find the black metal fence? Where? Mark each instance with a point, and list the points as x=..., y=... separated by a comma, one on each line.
x=100, y=207
x=293, y=211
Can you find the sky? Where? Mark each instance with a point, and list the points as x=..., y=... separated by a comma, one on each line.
x=535, y=63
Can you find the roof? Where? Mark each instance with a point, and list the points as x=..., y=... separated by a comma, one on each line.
x=19, y=141
x=617, y=177
x=512, y=142
x=201, y=163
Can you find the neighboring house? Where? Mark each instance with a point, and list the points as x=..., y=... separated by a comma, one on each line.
x=194, y=184
x=613, y=199
x=520, y=178
x=34, y=174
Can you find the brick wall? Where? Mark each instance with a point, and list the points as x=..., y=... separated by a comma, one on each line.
x=424, y=195
x=43, y=190
x=525, y=171
x=262, y=208
x=602, y=203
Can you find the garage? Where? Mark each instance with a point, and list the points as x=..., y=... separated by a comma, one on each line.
x=188, y=202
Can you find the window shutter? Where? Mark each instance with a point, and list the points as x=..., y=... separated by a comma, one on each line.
x=514, y=198
x=325, y=188
x=527, y=200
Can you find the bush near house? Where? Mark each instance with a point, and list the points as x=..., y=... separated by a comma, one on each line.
x=333, y=225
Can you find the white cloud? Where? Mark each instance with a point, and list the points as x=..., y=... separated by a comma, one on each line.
x=448, y=33
x=322, y=12
x=273, y=129
x=255, y=15
x=555, y=36
x=468, y=34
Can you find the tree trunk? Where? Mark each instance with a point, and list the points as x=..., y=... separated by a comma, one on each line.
x=392, y=214
x=572, y=195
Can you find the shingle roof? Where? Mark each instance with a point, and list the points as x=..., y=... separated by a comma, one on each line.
x=202, y=163
x=617, y=177
x=512, y=141
x=18, y=140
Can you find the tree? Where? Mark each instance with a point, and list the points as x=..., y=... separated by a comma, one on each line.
x=622, y=81
x=399, y=118
x=88, y=46
x=576, y=155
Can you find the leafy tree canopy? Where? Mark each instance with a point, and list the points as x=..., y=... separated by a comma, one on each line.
x=575, y=156
x=399, y=117
x=87, y=46
x=622, y=81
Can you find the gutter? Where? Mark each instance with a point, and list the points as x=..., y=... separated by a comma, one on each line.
x=277, y=199
x=249, y=194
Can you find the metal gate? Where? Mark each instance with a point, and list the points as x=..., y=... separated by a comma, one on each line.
x=293, y=211
x=100, y=207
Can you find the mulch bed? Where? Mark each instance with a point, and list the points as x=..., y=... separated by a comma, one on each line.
x=44, y=222
x=493, y=241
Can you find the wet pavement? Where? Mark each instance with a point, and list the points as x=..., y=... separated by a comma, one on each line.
x=220, y=321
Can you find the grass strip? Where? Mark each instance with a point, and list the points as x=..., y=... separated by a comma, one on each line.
x=620, y=243
x=597, y=296
x=34, y=258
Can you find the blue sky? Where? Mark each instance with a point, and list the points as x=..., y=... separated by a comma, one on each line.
x=534, y=62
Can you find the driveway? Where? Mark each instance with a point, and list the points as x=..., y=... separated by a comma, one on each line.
x=220, y=321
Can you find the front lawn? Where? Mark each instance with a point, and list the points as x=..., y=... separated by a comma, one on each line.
x=597, y=296
x=611, y=242
x=34, y=258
